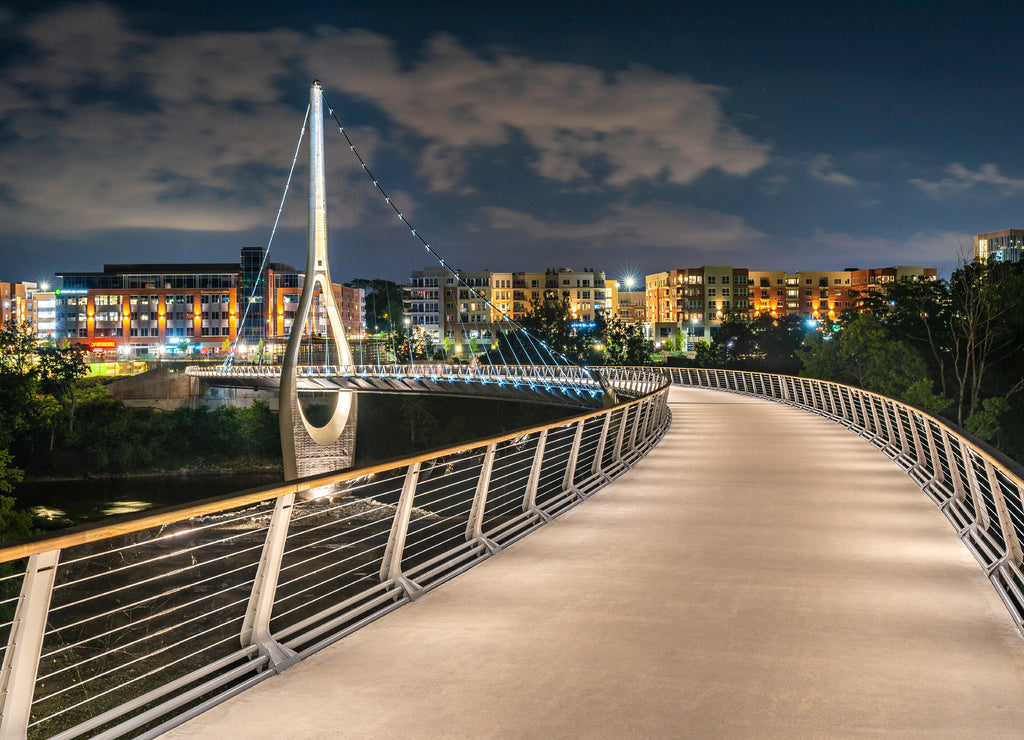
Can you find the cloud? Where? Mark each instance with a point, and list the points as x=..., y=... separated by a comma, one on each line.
x=926, y=248
x=960, y=178
x=821, y=168
x=654, y=225
x=582, y=124
x=107, y=126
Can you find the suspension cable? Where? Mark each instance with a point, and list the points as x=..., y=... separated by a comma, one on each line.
x=401, y=217
x=273, y=231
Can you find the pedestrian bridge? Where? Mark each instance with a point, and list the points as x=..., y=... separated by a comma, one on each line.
x=751, y=569
x=763, y=572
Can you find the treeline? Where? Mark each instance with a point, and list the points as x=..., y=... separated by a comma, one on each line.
x=56, y=422
x=112, y=439
x=952, y=347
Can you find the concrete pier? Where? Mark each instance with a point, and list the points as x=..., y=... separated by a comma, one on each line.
x=763, y=573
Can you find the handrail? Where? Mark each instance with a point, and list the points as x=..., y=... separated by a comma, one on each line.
x=980, y=494
x=124, y=626
x=130, y=523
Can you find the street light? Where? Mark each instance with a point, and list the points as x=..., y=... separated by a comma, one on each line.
x=408, y=338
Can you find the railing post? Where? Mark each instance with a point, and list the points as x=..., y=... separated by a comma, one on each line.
x=784, y=388
x=864, y=411
x=532, y=483
x=475, y=526
x=596, y=468
x=24, y=645
x=890, y=434
x=934, y=455
x=256, y=624
x=391, y=566
x=636, y=427
x=956, y=482
x=919, y=458
x=568, y=483
x=1013, y=549
x=830, y=392
x=620, y=435
x=981, y=516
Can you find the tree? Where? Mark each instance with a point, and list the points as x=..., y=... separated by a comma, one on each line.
x=384, y=306
x=626, y=344
x=59, y=369
x=865, y=354
x=551, y=322
x=19, y=380
x=919, y=312
x=777, y=341
x=9, y=475
x=985, y=326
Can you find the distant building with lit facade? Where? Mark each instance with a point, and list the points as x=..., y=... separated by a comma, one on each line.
x=29, y=303
x=628, y=306
x=478, y=303
x=158, y=309
x=693, y=302
x=1000, y=246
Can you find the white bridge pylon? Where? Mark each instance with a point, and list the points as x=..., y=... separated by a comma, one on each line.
x=331, y=447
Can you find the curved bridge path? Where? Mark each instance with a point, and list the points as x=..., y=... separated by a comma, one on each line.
x=763, y=573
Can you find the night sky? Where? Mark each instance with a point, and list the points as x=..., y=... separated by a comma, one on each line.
x=628, y=137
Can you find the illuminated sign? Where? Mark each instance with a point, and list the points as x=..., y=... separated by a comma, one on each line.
x=103, y=344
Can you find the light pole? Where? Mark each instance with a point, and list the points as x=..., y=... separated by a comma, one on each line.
x=408, y=338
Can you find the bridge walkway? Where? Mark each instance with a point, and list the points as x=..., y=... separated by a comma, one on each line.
x=763, y=573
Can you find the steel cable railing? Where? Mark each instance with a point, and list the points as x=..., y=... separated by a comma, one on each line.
x=979, y=491
x=131, y=628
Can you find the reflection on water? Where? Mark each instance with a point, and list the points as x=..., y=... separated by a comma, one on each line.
x=89, y=500
x=126, y=507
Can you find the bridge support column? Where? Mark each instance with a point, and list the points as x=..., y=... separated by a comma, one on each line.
x=475, y=527
x=391, y=566
x=256, y=625
x=24, y=645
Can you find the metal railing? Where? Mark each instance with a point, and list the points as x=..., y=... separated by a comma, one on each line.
x=978, y=493
x=571, y=374
x=134, y=627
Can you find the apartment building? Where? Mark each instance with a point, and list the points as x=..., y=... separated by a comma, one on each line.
x=160, y=309
x=1001, y=246
x=476, y=304
x=628, y=306
x=692, y=302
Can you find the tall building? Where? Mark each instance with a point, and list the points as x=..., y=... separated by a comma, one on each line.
x=158, y=309
x=1001, y=246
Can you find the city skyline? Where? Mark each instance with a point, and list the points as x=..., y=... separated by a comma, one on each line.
x=633, y=140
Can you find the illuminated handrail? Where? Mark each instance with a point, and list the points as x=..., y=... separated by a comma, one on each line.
x=142, y=623
x=978, y=491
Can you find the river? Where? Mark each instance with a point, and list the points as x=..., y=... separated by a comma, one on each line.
x=74, y=502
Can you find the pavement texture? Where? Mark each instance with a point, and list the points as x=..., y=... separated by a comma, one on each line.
x=762, y=573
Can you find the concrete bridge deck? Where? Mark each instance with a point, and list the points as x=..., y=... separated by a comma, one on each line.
x=763, y=573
